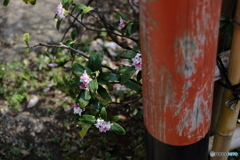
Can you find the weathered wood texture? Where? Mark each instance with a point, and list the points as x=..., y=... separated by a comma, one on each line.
x=179, y=45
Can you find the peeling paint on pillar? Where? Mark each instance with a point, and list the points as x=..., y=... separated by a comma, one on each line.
x=179, y=44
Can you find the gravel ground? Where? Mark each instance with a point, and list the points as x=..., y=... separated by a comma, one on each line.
x=19, y=18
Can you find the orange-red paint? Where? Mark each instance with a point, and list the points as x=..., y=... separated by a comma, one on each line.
x=179, y=44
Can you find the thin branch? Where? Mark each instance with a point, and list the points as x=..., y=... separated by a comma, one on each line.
x=113, y=28
x=80, y=35
x=98, y=19
x=104, y=21
x=135, y=82
x=135, y=5
x=75, y=18
x=88, y=3
x=135, y=11
x=111, y=34
x=78, y=52
x=124, y=104
x=97, y=30
x=128, y=107
x=64, y=35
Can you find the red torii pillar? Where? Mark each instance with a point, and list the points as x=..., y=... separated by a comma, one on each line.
x=178, y=45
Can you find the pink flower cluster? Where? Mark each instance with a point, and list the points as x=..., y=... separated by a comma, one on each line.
x=131, y=1
x=77, y=109
x=85, y=81
x=60, y=11
x=122, y=23
x=102, y=125
x=137, y=62
x=53, y=65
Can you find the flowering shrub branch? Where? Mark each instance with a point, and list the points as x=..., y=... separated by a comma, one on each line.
x=90, y=83
x=110, y=29
x=71, y=25
x=77, y=52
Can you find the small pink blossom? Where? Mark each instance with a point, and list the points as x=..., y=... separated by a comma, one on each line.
x=99, y=123
x=102, y=125
x=122, y=23
x=85, y=78
x=84, y=86
x=53, y=65
x=130, y=1
x=60, y=11
x=85, y=81
x=137, y=62
x=77, y=109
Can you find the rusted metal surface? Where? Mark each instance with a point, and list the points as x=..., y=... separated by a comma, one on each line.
x=179, y=44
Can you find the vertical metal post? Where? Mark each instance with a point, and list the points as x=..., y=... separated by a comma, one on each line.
x=179, y=44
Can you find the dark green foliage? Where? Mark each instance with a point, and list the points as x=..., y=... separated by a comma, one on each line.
x=226, y=26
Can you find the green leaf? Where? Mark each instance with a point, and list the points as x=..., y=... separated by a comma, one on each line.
x=127, y=54
x=5, y=2
x=69, y=43
x=104, y=94
x=134, y=86
x=26, y=38
x=95, y=62
x=67, y=3
x=85, y=11
x=229, y=29
x=32, y=2
x=139, y=76
x=114, y=118
x=95, y=103
x=73, y=33
x=122, y=70
x=26, y=51
x=129, y=29
x=95, y=74
x=139, y=114
x=109, y=76
x=118, y=15
x=64, y=78
x=224, y=18
x=59, y=21
x=103, y=113
x=83, y=98
x=132, y=27
x=103, y=33
x=117, y=129
x=79, y=7
x=72, y=83
x=223, y=24
x=136, y=49
x=85, y=129
x=87, y=119
x=93, y=86
x=78, y=68
x=127, y=73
